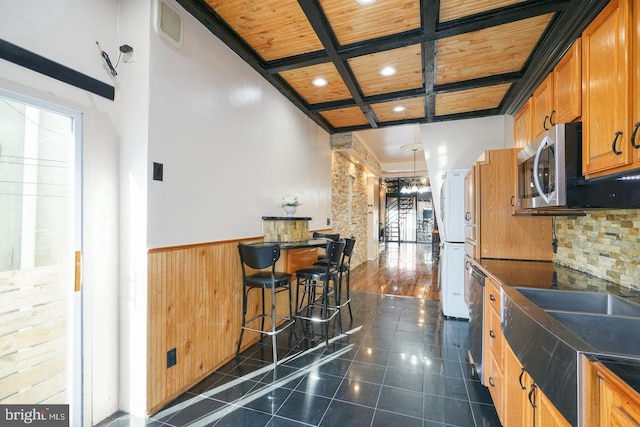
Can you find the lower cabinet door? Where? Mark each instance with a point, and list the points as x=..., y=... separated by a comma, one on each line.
x=546, y=414
x=495, y=384
x=517, y=409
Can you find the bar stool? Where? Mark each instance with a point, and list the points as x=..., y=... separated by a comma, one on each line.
x=319, y=276
x=263, y=258
x=344, y=269
x=333, y=236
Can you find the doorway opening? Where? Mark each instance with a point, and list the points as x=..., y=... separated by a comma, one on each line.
x=40, y=322
x=408, y=215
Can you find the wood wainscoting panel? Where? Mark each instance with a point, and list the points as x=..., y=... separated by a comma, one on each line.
x=195, y=306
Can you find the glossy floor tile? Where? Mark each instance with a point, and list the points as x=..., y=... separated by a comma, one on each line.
x=399, y=363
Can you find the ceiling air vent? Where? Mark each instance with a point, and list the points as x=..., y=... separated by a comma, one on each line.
x=169, y=23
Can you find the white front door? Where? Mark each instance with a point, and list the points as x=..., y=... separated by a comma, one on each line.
x=40, y=240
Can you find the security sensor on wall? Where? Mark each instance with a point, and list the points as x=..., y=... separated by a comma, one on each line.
x=127, y=53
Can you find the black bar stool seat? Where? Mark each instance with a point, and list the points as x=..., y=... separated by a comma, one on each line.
x=263, y=258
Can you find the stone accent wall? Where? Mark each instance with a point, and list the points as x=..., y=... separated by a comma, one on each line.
x=349, y=222
x=351, y=145
x=285, y=230
x=604, y=243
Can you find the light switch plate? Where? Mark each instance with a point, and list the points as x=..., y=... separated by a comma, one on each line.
x=158, y=169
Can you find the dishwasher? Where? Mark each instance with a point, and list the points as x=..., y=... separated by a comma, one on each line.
x=475, y=284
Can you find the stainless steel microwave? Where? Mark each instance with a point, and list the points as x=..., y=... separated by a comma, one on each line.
x=549, y=166
x=550, y=176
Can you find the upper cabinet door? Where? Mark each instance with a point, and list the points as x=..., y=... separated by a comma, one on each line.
x=541, y=107
x=567, y=86
x=635, y=122
x=606, y=91
x=522, y=126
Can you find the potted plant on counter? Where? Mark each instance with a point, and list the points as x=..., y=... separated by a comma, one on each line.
x=290, y=204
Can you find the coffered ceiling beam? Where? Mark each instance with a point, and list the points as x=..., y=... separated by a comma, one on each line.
x=320, y=25
x=429, y=14
x=504, y=15
x=478, y=83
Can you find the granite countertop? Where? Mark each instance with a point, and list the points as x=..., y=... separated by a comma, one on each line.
x=547, y=275
x=286, y=218
x=301, y=244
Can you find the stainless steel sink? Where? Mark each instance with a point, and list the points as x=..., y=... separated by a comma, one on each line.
x=607, y=334
x=549, y=329
x=583, y=302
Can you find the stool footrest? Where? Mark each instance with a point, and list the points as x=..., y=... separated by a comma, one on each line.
x=279, y=328
x=333, y=310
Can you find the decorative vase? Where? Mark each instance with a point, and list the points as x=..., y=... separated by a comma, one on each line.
x=289, y=210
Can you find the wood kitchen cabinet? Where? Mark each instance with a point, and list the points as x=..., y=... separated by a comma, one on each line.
x=611, y=401
x=517, y=409
x=558, y=99
x=635, y=110
x=610, y=90
x=541, y=107
x=524, y=402
x=567, y=86
x=493, y=352
x=498, y=233
x=522, y=126
x=545, y=414
x=519, y=402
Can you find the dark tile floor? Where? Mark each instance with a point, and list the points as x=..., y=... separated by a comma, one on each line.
x=399, y=363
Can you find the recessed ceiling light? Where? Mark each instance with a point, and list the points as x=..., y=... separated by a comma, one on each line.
x=366, y=1
x=398, y=109
x=319, y=81
x=388, y=71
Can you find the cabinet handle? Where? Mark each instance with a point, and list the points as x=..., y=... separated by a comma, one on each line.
x=491, y=382
x=633, y=135
x=520, y=378
x=613, y=144
x=467, y=216
x=531, y=392
x=491, y=333
x=544, y=123
x=513, y=201
x=467, y=264
x=551, y=118
x=491, y=297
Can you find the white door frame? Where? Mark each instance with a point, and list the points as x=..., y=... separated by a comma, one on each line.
x=75, y=371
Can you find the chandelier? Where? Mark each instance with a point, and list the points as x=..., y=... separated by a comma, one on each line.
x=413, y=189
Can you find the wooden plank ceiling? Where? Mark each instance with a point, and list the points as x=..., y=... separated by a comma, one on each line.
x=451, y=59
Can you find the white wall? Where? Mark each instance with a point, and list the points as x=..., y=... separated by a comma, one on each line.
x=231, y=146
x=134, y=23
x=228, y=162
x=458, y=144
x=66, y=32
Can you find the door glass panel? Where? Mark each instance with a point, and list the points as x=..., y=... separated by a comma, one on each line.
x=37, y=195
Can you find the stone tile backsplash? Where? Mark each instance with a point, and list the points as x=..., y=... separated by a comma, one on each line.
x=604, y=243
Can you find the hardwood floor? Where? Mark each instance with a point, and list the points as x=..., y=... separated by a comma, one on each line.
x=403, y=269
